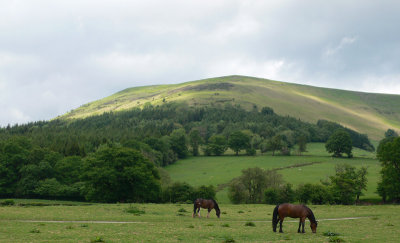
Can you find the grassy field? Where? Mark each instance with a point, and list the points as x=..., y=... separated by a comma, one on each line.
x=318, y=165
x=173, y=223
x=367, y=113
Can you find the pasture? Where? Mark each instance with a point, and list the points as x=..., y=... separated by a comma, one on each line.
x=311, y=167
x=174, y=223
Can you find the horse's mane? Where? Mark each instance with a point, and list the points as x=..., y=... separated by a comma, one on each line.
x=310, y=214
x=216, y=204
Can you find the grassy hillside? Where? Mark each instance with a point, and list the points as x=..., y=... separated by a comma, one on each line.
x=318, y=165
x=364, y=112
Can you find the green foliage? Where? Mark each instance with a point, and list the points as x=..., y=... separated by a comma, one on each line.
x=183, y=192
x=251, y=185
x=388, y=154
x=391, y=133
x=195, y=140
x=347, y=183
x=251, y=224
x=282, y=194
x=217, y=145
x=314, y=193
x=238, y=141
x=115, y=174
x=7, y=202
x=134, y=210
x=97, y=239
x=179, y=143
x=338, y=143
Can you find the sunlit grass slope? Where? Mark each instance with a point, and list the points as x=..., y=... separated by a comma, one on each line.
x=318, y=165
x=364, y=112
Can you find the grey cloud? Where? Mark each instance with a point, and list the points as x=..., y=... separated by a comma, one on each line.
x=57, y=55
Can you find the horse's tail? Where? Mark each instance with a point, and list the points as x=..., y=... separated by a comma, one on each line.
x=275, y=218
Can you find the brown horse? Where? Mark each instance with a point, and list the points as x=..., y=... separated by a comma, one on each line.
x=209, y=204
x=293, y=211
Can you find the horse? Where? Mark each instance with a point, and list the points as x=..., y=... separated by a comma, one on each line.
x=209, y=204
x=294, y=211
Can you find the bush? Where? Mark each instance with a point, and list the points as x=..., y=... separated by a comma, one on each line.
x=134, y=210
x=184, y=193
x=271, y=196
x=250, y=224
x=7, y=202
x=282, y=194
x=204, y=192
x=314, y=193
x=251, y=151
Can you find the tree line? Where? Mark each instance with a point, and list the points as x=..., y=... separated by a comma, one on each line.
x=118, y=156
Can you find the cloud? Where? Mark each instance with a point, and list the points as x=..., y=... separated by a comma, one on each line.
x=58, y=55
x=345, y=41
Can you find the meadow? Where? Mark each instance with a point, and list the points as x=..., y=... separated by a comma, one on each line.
x=315, y=165
x=174, y=223
x=64, y=221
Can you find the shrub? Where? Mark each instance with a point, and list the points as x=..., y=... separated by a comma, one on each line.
x=316, y=193
x=250, y=224
x=97, y=239
x=134, y=210
x=7, y=202
x=228, y=239
x=335, y=239
x=182, y=210
x=281, y=194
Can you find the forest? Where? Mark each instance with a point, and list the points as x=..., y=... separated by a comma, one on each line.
x=86, y=159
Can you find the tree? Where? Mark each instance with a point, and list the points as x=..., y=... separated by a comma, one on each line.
x=361, y=182
x=275, y=143
x=391, y=133
x=217, y=145
x=178, y=143
x=338, y=143
x=117, y=174
x=195, y=140
x=347, y=183
x=238, y=141
x=388, y=153
x=251, y=185
x=302, y=144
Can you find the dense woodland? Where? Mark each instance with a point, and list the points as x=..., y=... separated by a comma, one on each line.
x=87, y=159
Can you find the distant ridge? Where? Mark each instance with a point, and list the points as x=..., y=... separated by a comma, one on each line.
x=368, y=113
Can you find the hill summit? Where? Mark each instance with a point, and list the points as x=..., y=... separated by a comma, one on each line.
x=367, y=113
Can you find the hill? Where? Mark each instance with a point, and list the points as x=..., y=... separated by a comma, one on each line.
x=368, y=113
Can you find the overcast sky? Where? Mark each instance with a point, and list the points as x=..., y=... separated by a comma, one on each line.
x=58, y=55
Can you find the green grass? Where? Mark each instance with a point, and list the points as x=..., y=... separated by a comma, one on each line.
x=379, y=223
x=220, y=170
x=367, y=113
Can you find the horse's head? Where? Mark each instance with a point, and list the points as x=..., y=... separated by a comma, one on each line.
x=218, y=212
x=313, y=226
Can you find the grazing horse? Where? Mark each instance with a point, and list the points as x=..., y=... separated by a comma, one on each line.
x=209, y=204
x=293, y=211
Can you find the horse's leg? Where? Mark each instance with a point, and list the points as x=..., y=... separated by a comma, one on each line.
x=198, y=212
x=208, y=214
x=298, y=230
x=194, y=211
x=280, y=225
x=303, y=222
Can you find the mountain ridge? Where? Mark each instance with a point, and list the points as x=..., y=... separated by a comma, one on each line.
x=369, y=113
